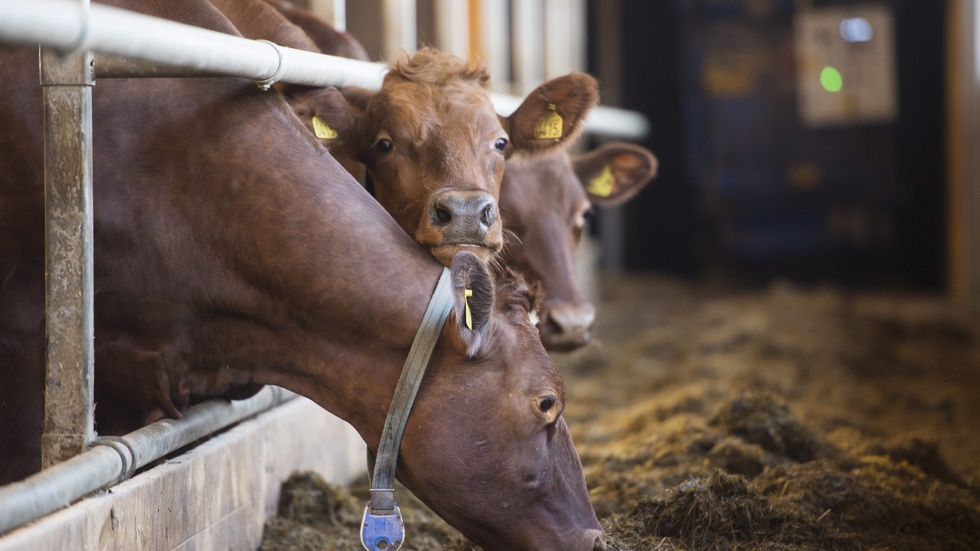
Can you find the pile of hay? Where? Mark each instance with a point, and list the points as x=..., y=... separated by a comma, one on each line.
x=782, y=420
x=315, y=515
x=752, y=477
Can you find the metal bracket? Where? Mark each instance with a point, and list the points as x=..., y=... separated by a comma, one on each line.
x=265, y=84
x=382, y=532
x=127, y=455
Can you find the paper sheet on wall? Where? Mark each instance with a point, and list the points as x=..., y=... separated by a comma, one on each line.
x=846, y=65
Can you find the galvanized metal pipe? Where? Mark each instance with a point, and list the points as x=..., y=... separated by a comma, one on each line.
x=63, y=25
x=70, y=326
x=111, y=66
x=113, y=460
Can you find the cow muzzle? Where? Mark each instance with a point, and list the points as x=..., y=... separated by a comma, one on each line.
x=463, y=220
x=567, y=326
x=587, y=540
x=597, y=540
x=463, y=217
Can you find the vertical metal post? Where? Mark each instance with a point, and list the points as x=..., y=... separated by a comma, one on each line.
x=959, y=71
x=490, y=25
x=565, y=36
x=971, y=135
x=333, y=11
x=527, y=20
x=452, y=22
x=398, y=23
x=963, y=164
x=612, y=225
x=68, y=419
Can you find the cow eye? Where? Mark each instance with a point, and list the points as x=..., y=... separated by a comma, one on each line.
x=545, y=403
x=548, y=405
x=586, y=213
x=383, y=145
x=500, y=144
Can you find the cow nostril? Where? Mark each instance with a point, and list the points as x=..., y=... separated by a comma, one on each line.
x=488, y=215
x=554, y=326
x=441, y=215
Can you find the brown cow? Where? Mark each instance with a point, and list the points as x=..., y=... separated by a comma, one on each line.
x=543, y=206
x=328, y=39
x=225, y=260
x=544, y=202
x=260, y=19
x=435, y=149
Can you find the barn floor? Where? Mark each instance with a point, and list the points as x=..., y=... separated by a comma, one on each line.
x=783, y=419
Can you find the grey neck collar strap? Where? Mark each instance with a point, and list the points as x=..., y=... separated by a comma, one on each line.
x=382, y=528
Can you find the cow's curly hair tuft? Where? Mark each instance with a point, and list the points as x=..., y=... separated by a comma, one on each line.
x=518, y=296
x=434, y=67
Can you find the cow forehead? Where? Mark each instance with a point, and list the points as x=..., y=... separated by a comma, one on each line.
x=515, y=335
x=529, y=367
x=425, y=112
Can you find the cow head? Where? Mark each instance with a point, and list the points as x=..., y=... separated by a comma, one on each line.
x=486, y=446
x=435, y=148
x=545, y=202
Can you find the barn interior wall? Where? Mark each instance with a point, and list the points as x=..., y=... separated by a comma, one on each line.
x=685, y=224
x=661, y=225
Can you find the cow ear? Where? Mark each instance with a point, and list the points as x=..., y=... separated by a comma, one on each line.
x=358, y=97
x=327, y=114
x=473, y=295
x=552, y=115
x=615, y=172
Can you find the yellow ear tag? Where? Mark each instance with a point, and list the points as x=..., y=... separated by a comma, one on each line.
x=603, y=184
x=550, y=125
x=322, y=130
x=469, y=315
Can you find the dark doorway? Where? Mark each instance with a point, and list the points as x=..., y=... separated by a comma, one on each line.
x=745, y=189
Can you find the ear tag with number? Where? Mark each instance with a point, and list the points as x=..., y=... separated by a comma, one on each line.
x=603, y=184
x=466, y=307
x=549, y=126
x=322, y=130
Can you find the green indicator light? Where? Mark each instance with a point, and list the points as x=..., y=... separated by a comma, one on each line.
x=831, y=80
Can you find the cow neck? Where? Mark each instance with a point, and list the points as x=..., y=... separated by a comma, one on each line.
x=382, y=518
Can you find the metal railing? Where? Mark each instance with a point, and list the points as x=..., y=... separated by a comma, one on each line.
x=66, y=27
x=114, y=459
